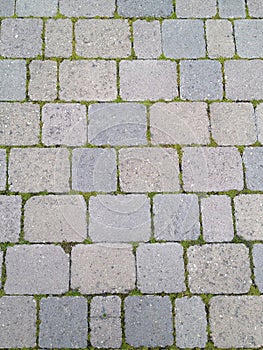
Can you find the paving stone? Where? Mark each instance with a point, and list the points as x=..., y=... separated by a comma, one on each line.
x=39, y=169
x=144, y=315
x=231, y=9
x=219, y=269
x=148, y=80
x=64, y=219
x=236, y=321
x=217, y=219
x=64, y=322
x=7, y=8
x=249, y=40
x=103, y=268
x=255, y=8
x=58, y=38
x=41, y=8
x=212, y=169
x=64, y=124
x=160, y=268
x=88, y=80
x=176, y=217
x=253, y=162
x=195, y=8
x=36, y=269
x=259, y=122
x=2, y=169
x=145, y=8
x=103, y=38
x=244, y=80
x=149, y=170
x=21, y=37
x=201, y=80
x=10, y=215
x=12, y=80
x=105, y=307
x=18, y=322
x=179, y=123
x=190, y=322
x=220, y=39
x=183, y=38
x=233, y=123
x=91, y=8
x=117, y=124
x=94, y=169
x=121, y=218
x=43, y=80
x=258, y=265
x=147, y=40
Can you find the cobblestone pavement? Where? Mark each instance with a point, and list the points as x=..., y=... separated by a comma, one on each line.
x=131, y=174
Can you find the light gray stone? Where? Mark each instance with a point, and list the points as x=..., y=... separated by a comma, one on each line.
x=253, y=161
x=249, y=40
x=1, y=263
x=10, y=215
x=145, y=8
x=105, y=307
x=176, y=217
x=255, y=8
x=12, y=80
x=259, y=121
x=91, y=8
x=43, y=80
x=195, y=8
x=258, y=265
x=58, y=38
x=220, y=38
x=2, y=169
x=233, y=8
x=7, y=8
x=36, y=269
x=219, y=269
x=41, y=8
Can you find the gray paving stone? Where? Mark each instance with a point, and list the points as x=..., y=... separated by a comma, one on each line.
x=201, y=80
x=41, y=8
x=117, y=124
x=183, y=38
x=2, y=169
x=232, y=9
x=21, y=37
x=64, y=124
x=94, y=169
x=244, y=80
x=195, y=8
x=18, y=322
x=249, y=40
x=105, y=307
x=259, y=121
x=64, y=322
x=217, y=219
x=64, y=219
x=10, y=215
x=121, y=218
x=39, y=169
x=12, y=80
x=233, y=123
x=144, y=315
x=179, y=123
x=36, y=269
x=91, y=8
x=160, y=268
x=7, y=8
x=108, y=38
x=145, y=8
x=103, y=268
x=236, y=321
x=190, y=322
x=219, y=269
x=258, y=265
x=58, y=38
x=255, y=8
x=253, y=162
x=220, y=39
x=148, y=80
x=212, y=169
x=43, y=80
x=176, y=217
x=147, y=40
x=88, y=80
x=149, y=170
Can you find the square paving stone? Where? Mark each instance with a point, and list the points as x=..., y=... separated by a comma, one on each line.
x=148, y=321
x=58, y=38
x=253, y=161
x=12, y=80
x=255, y=8
x=2, y=169
x=145, y=8
x=91, y=8
x=249, y=39
x=7, y=8
x=195, y=8
x=18, y=322
x=219, y=269
x=40, y=8
x=43, y=80
x=259, y=121
x=231, y=9
x=258, y=265
x=10, y=216
x=176, y=217
x=160, y=268
x=64, y=322
x=220, y=38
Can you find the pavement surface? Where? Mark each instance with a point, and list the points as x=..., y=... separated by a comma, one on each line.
x=131, y=174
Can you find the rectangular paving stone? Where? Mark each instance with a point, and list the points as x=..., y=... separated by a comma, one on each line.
x=253, y=162
x=259, y=122
x=64, y=322
x=255, y=8
x=41, y=8
x=64, y=219
x=88, y=80
x=179, y=123
x=58, y=38
x=232, y=9
x=249, y=40
x=149, y=170
x=103, y=268
x=236, y=321
x=94, y=169
x=117, y=124
x=144, y=315
x=121, y=218
x=212, y=169
x=7, y=8
x=39, y=169
x=10, y=216
x=43, y=80
x=176, y=217
x=145, y=8
x=91, y=8
x=219, y=269
x=12, y=80
x=190, y=322
x=258, y=265
x=107, y=38
x=36, y=269
x=18, y=322
x=2, y=169
x=148, y=80
x=160, y=268
x=196, y=8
